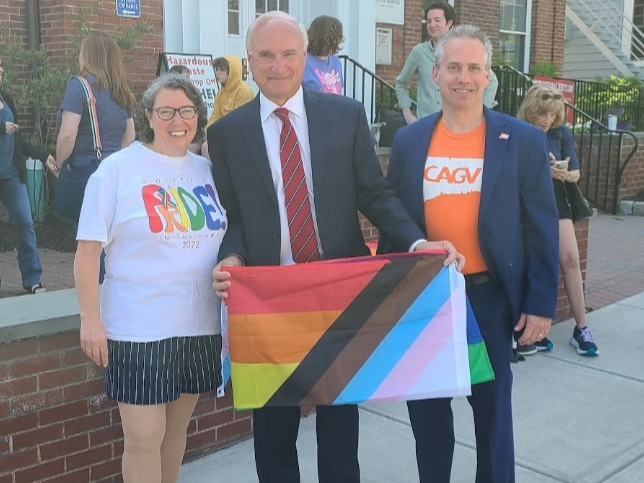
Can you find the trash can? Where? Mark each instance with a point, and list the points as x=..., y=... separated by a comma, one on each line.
x=612, y=122
x=36, y=189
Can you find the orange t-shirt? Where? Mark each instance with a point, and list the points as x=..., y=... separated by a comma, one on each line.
x=452, y=191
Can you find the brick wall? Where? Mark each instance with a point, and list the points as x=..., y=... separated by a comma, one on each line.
x=548, y=25
x=547, y=30
x=485, y=14
x=59, y=22
x=56, y=424
x=404, y=38
x=632, y=181
x=563, y=306
x=581, y=231
x=598, y=157
x=59, y=25
x=13, y=18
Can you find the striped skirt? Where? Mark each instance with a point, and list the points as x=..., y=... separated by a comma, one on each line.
x=159, y=372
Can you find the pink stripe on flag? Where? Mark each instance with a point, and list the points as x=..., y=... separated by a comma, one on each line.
x=428, y=344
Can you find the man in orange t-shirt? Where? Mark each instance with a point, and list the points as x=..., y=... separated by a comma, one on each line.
x=482, y=180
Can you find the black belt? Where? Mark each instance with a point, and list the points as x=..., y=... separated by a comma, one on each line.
x=477, y=278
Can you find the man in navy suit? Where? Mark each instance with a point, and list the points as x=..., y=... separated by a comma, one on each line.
x=323, y=141
x=480, y=179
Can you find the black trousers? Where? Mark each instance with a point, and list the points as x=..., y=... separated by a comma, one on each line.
x=275, y=430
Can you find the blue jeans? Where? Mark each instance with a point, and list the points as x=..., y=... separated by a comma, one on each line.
x=13, y=194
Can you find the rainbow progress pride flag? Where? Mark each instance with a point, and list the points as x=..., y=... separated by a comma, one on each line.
x=385, y=328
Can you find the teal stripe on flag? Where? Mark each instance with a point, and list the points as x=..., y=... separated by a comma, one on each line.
x=398, y=341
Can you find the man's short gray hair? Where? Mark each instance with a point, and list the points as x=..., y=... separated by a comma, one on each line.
x=465, y=31
x=274, y=14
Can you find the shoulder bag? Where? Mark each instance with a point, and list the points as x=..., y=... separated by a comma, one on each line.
x=579, y=206
x=73, y=177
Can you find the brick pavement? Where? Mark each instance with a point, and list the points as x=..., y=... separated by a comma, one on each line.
x=615, y=263
x=57, y=272
x=615, y=259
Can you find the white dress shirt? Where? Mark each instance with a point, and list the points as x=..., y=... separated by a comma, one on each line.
x=271, y=127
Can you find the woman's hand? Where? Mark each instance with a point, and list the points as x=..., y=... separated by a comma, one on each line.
x=562, y=173
x=93, y=337
x=221, y=277
x=51, y=165
x=93, y=340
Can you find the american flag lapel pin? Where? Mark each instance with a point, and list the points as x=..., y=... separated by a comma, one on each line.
x=504, y=135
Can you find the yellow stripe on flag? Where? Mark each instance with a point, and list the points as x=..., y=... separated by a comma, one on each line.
x=254, y=384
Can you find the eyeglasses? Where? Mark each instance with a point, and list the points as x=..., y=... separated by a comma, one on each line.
x=168, y=113
x=556, y=97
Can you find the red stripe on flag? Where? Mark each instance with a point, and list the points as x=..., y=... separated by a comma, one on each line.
x=321, y=290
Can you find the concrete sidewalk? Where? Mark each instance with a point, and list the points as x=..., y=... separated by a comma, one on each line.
x=576, y=419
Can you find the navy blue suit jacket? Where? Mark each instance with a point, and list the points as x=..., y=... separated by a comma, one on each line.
x=518, y=224
x=346, y=179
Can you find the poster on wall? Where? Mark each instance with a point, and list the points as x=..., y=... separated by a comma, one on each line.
x=567, y=87
x=202, y=73
x=390, y=11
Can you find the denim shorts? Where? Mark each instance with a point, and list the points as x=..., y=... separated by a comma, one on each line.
x=158, y=372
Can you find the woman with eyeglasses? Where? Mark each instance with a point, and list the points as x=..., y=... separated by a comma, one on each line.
x=544, y=107
x=155, y=326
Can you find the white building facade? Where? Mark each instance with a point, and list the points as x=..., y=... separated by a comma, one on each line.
x=218, y=27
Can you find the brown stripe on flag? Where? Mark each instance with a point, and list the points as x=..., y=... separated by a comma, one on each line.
x=349, y=322
x=344, y=368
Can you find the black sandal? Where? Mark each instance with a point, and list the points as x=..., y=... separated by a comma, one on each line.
x=37, y=288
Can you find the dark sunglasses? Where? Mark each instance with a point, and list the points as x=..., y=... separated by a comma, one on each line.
x=556, y=97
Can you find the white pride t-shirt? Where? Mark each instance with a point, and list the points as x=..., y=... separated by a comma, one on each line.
x=161, y=223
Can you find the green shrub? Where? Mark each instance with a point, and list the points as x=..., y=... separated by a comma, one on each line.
x=613, y=92
x=544, y=67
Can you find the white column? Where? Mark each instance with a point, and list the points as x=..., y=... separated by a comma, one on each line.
x=359, y=21
x=213, y=24
x=172, y=26
x=198, y=26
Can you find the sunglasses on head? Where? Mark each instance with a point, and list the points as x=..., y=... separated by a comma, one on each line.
x=556, y=97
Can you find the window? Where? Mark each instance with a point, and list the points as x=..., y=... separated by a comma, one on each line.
x=263, y=6
x=233, y=17
x=514, y=31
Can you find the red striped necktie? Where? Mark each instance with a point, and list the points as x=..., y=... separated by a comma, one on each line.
x=304, y=243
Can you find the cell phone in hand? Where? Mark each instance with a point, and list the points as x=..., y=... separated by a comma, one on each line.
x=561, y=163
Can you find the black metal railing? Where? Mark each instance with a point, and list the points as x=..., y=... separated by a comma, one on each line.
x=366, y=86
x=603, y=153
x=597, y=99
x=511, y=90
x=603, y=156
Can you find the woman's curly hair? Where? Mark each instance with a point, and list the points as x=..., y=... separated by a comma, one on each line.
x=325, y=36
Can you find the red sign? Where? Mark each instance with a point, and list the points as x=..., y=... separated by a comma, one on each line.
x=567, y=88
